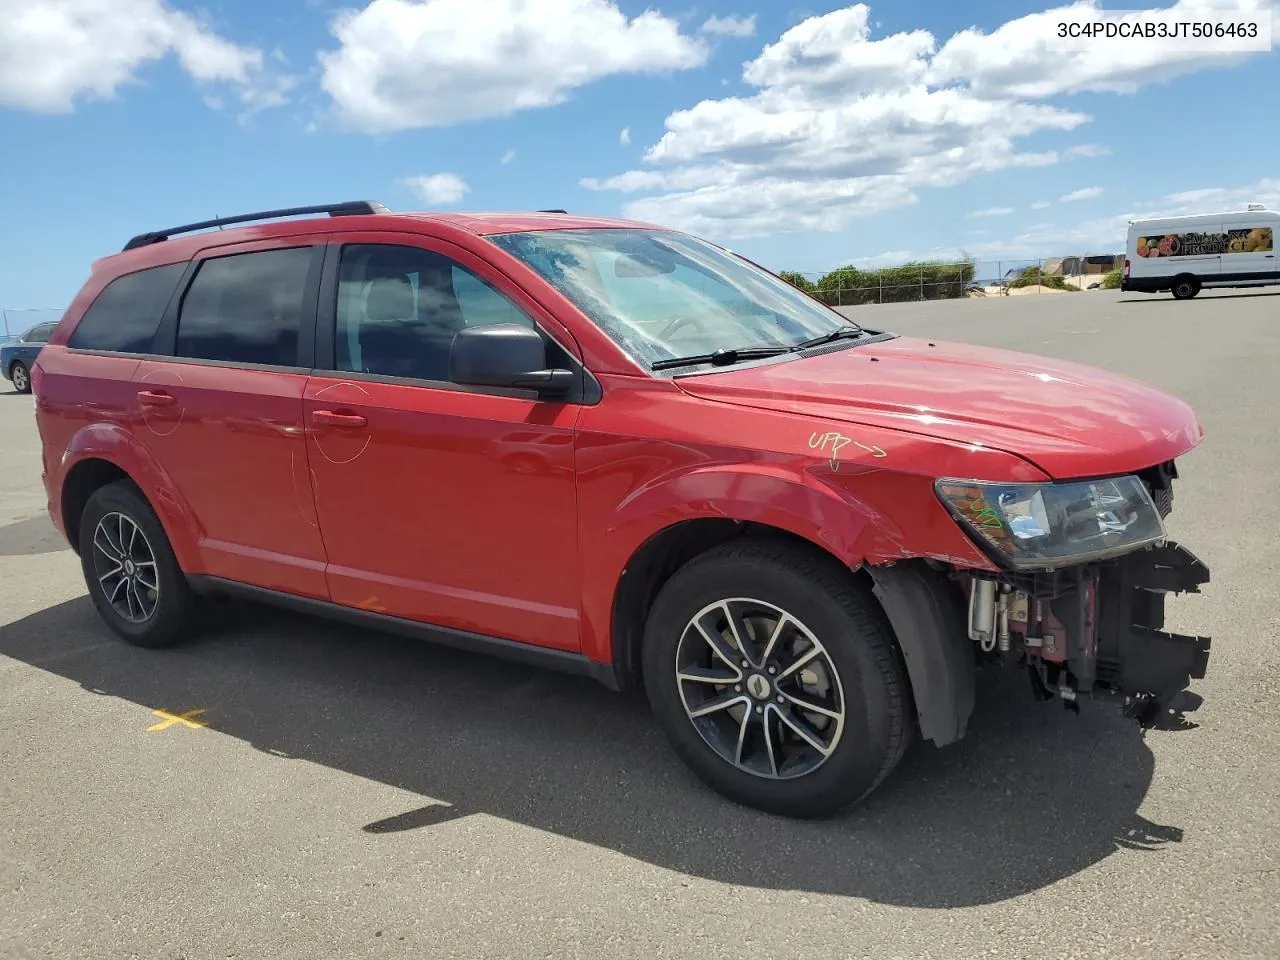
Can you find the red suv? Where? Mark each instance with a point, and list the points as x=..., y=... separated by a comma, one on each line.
x=621, y=451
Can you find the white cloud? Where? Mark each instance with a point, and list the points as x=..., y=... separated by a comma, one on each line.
x=624, y=137
x=1018, y=58
x=729, y=26
x=508, y=157
x=1102, y=235
x=402, y=64
x=1041, y=205
x=438, y=188
x=991, y=212
x=55, y=53
x=1090, y=150
x=842, y=125
x=1084, y=193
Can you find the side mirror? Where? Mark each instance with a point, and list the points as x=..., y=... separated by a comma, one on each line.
x=505, y=355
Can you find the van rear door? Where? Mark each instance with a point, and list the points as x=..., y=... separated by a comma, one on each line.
x=1251, y=250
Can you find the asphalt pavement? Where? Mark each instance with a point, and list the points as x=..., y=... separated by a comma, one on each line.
x=284, y=787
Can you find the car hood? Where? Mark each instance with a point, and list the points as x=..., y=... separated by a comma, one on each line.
x=1068, y=419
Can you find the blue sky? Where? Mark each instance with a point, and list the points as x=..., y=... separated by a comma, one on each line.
x=805, y=135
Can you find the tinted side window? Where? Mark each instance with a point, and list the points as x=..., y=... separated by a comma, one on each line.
x=125, y=315
x=399, y=307
x=40, y=334
x=246, y=308
x=481, y=304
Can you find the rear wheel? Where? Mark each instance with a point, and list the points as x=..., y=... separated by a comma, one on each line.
x=130, y=570
x=20, y=376
x=1184, y=288
x=776, y=678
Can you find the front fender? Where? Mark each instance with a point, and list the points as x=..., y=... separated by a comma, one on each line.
x=856, y=530
x=120, y=447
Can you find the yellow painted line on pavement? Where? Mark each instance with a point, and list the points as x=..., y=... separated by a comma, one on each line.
x=168, y=720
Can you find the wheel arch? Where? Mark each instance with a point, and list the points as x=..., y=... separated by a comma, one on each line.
x=922, y=604
x=103, y=453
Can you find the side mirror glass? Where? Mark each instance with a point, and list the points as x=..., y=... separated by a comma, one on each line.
x=505, y=355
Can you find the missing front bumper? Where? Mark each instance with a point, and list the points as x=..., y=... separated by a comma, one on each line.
x=1097, y=631
x=1147, y=666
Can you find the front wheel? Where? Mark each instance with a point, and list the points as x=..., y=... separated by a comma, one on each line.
x=776, y=678
x=133, y=577
x=20, y=376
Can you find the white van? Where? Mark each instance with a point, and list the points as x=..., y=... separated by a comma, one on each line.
x=1184, y=254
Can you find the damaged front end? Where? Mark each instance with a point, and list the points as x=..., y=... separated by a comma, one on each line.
x=1080, y=599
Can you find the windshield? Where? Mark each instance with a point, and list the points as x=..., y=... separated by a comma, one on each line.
x=663, y=296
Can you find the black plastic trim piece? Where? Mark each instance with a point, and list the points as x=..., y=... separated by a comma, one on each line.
x=326, y=315
x=1150, y=667
x=306, y=322
x=349, y=208
x=925, y=611
x=166, y=339
x=559, y=660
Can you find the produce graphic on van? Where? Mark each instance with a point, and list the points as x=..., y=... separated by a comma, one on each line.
x=1255, y=240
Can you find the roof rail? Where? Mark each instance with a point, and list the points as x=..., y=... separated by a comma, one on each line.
x=351, y=208
x=553, y=211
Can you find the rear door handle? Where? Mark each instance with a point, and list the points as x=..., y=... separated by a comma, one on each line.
x=155, y=398
x=332, y=418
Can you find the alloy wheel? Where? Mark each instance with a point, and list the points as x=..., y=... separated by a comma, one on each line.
x=760, y=688
x=125, y=565
x=20, y=378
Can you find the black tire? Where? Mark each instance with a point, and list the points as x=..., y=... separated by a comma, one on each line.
x=859, y=643
x=1184, y=288
x=173, y=611
x=20, y=376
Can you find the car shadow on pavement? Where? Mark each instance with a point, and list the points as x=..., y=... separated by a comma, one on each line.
x=1031, y=796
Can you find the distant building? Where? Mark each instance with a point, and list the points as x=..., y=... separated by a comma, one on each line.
x=1087, y=266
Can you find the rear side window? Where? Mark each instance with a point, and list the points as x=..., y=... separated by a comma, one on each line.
x=40, y=334
x=125, y=315
x=246, y=308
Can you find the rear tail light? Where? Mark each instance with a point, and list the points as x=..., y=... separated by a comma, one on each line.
x=1126, y=268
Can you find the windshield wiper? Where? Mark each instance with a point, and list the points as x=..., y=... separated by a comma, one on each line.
x=723, y=357
x=840, y=333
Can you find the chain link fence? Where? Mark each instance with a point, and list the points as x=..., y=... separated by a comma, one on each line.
x=931, y=280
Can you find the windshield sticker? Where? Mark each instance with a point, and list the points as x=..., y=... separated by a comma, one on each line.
x=835, y=442
x=1257, y=240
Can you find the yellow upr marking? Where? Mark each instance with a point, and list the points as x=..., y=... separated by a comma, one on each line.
x=168, y=720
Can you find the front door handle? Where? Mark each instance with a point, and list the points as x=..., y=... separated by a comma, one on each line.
x=155, y=398
x=332, y=418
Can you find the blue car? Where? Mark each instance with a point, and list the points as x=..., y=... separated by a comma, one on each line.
x=17, y=357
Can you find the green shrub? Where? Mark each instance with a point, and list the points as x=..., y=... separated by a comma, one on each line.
x=798, y=280
x=927, y=280
x=1111, y=281
x=1033, y=276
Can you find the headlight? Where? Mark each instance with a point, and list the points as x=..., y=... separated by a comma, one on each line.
x=1039, y=526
